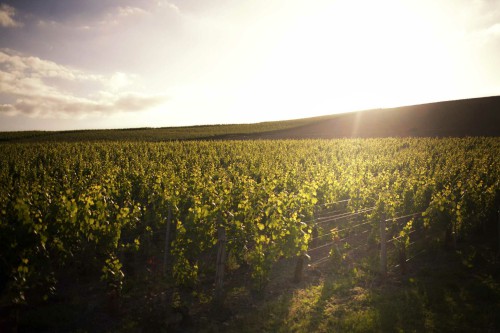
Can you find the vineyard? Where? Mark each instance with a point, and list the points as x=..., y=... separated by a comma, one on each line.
x=128, y=228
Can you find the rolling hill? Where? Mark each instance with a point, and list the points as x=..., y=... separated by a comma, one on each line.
x=459, y=118
x=469, y=117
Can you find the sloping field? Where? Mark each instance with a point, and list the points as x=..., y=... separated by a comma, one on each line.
x=471, y=117
x=155, y=134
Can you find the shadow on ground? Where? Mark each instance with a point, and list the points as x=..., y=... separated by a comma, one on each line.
x=443, y=292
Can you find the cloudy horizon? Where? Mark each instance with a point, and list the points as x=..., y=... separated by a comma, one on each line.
x=154, y=63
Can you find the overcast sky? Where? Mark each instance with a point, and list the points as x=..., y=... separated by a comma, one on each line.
x=71, y=64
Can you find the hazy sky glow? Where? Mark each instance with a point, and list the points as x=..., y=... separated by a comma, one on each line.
x=71, y=64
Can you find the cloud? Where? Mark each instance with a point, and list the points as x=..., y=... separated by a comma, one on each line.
x=163, y=3
x=38, y=87
x=130, y=11
x=28, y=75
x=7, y=109
x=119, y=15
x=494, y=30
x=120, y=80
x=115, y=16
x=35, y=67
x=96, y=18
x=71, y=106
x=7, y=14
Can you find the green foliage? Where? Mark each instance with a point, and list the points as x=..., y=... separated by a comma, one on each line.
x=86, y=204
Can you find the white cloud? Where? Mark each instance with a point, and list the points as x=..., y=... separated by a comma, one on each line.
x=106, y=20
x=27, y=79
x=7, y=14
x=120, y=15
x=120, y=80
x=70, y=106
x=36, y=67
x=163, y=3
x=7, y=109
x=130, y=11
x=116, y=17
x=494, y=29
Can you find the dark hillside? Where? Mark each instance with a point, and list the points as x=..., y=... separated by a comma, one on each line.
x=470, y=117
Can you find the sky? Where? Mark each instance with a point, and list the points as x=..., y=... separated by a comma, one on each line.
x=73, y=64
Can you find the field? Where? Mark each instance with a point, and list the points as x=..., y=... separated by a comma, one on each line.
x=461, y=118
x=204, y=132
x=130, y=236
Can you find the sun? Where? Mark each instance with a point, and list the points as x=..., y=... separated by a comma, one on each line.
x=351, y=55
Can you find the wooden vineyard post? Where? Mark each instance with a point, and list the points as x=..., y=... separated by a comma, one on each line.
x=299, y=267
x=314, y=236
x=167, y=242
x=221, y=262
x=402, y=258
x=454, y=234
x=383, y=248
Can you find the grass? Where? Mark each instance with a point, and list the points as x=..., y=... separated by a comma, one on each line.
x=441, y=294
x=159, y=134
x=444, y=291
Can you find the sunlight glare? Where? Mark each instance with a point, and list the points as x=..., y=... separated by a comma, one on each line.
x=329, y=62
